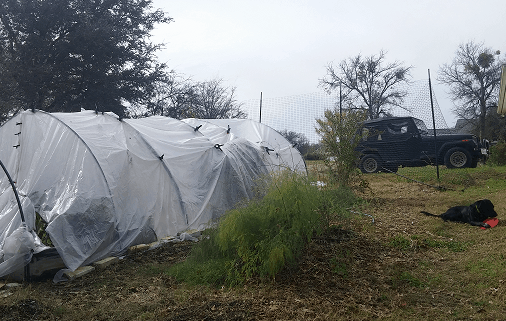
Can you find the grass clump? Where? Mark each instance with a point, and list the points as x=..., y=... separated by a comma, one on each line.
x=452, y=246
x=400, y=243
x=259, y=239
x=407, y=278
x=416, y=242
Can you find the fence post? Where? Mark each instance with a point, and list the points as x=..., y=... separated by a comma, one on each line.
x=434, y=127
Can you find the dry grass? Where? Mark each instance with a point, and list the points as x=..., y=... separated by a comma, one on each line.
x=405, y=266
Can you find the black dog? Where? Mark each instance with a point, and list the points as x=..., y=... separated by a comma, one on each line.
x=473, y=214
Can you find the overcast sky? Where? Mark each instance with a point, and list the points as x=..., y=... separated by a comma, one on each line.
x=281, y=48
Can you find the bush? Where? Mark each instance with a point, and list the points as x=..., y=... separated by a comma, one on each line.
x=498, y=154
x=262, y=238
x=339, y=141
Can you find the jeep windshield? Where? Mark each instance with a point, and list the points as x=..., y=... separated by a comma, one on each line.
x=421, y=126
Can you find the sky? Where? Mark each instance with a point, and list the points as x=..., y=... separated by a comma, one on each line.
x=281, y=48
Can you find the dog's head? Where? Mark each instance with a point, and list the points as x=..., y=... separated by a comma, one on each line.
x=484, y=209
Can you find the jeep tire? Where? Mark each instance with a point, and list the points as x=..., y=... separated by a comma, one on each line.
x=457, y=157
x=370, y=164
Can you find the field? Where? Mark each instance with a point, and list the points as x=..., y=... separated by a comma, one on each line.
x=385, y=261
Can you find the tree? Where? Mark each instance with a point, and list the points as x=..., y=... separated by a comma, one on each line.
x=368, y=83
x=171, y=95
x=298, y=140
x=64, y=55
x=10, y=103
x=474, y=78
x=212, y=100
x=180, y=97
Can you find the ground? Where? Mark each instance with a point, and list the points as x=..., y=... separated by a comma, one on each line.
x=398, y=264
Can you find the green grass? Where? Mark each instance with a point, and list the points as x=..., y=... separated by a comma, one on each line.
x=400, y=242
x=416, y=242
x=340, y=264
x=407, y=277
x=452, y=246
x=456, y=179
x=492, y=266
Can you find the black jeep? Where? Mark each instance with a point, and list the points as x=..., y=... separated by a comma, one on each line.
x=391, y=142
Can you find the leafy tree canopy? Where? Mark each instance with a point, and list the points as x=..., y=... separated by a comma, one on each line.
x=64, y=55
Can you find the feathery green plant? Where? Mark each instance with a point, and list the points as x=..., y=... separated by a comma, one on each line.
x=260, y=238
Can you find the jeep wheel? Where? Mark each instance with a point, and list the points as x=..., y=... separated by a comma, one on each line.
x=370, y=164
x=457, y=157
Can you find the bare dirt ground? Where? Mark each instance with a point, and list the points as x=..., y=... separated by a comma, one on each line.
x=356, y=272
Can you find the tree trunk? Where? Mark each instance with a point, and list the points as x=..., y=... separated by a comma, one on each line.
x=483, y=115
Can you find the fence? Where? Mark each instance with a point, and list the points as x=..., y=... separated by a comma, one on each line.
x=298, y=113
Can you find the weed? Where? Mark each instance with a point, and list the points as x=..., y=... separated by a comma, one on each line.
x=339, y=264
x=442, y=230
x=333, y=205
x=339, y=268
x=152, y=270
x=400, y=242
x=383, y=298
x=480, y=303
x=451, y=245
x=492, y=266
x=60, y=311
x=407, y=277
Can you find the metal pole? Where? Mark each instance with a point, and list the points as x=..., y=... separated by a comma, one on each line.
x=27, y=267
x=15, y=191
x=434, y=127
x=260, y=107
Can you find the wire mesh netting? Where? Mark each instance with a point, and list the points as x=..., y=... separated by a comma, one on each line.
x=397, y=145
x=298, y=113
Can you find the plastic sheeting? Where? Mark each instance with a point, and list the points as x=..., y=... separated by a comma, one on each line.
x=105, y=184
x=17, y=250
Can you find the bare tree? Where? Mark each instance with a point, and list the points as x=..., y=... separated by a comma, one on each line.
x=171, y=96
x=181, y=97
x=368, y=83
x=474, y=76
x=298, y=140
x=213, y=100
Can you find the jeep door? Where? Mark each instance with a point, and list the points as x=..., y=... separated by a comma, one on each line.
x=403, y=141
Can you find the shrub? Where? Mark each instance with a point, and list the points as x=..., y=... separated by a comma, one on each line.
x=339, y=140
x=498, y=154
x=261, y=238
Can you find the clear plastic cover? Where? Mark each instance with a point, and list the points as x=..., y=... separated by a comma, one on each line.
x=104, y=184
